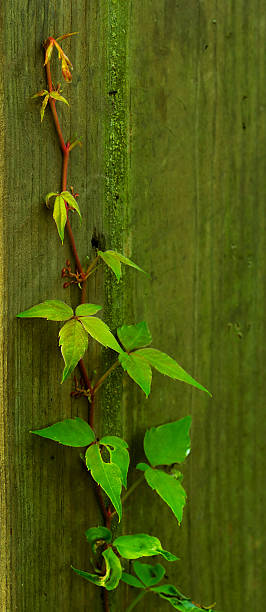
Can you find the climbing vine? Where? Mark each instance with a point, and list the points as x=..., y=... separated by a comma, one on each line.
x=107, y=457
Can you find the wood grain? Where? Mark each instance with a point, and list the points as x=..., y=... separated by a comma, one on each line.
x=172, y=171
x=197, y=76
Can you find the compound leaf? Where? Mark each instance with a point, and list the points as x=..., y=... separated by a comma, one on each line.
x=107, y=475
x=70, y=432
x=169, y=443
x=134, y=336
x=60, y=216
x=113, y=572
x=138, y=369
x=169, y=489
x=168, y=366
x=149, y=574
x=141, y=545
x=85, y=310
x=101, y=332
x=69, y=198
x=113, y=260
x=74, y=342
x=52, y=310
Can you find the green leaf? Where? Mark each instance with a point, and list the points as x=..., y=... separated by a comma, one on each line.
x=169, y=443
x=60, y=216
x=98, y=535
x=114, y=441
x=129, y=262
x=56, y=96
x=50, y=195
x=169, y=489
x=169, y=590
x=74, y=342
x=114, y=259
x=142, y=466
x=118, y=454
x=134, y=336
x=70, y=432
x=176, y=599
x=141, y=545
x=85, y=310
x=74, y=144
x=107, y=475
x=149, y=574
x=94, y=578
x=40, y=93
x=113, y=565
x=132, y=580
x=138, y=370
x=120, y=457
x=112, y=262
x=113, y=572
x=168, y=366
x=43, y=106
x=52, y=310
x=101, y=332
x=69, y=198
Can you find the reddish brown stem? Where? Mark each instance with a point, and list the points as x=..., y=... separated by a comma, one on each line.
x=69, y=228
x=109, y=516
x=92, y=407
x=65, y=148
x=84, y=375
x=73, y=246
x=65, y=152
x=106, y=600
x=83, y=292
x=53, y=108
x=65, y=166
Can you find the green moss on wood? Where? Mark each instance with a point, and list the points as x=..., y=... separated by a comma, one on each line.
x=116, y=189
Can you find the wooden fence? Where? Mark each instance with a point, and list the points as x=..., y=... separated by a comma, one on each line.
x=168, y=97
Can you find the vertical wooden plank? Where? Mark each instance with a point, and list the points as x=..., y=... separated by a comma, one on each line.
x=192, y=164
x=197, y=78
x=4, y=505
x=49, y=498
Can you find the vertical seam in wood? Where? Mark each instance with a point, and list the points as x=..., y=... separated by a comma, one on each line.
x=5, y=548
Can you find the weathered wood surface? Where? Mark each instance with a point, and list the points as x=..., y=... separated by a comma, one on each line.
x=172, y=170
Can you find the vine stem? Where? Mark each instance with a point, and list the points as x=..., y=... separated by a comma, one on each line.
x=106, y=600
x=104, y=376
x=53, y=108
x=65, y=152
x=65, y=149
x=136, y=601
